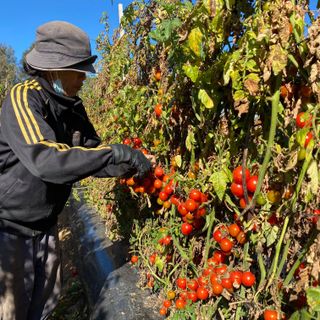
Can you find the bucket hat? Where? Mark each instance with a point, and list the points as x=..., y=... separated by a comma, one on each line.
x=61, y=46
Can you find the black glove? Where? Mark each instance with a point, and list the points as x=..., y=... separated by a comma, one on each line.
x=135, y=158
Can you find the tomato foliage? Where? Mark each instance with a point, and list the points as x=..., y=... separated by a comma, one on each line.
x=213, y=90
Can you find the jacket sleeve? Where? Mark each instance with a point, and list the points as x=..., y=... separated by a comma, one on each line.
x=34, y=143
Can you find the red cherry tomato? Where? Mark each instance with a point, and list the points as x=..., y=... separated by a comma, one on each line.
x=191, y=205
x=237, y=175
x=252, y=184
x=236, y=277
x=127, y=141
x=180, y=303
x=182, y=283
x=193, y=284
x=137, y=142
x=186, y=228
x=158, y=172
x=163, y=196
x=234, y=230
x=202, y=293
x=195, y=195
x=303, y=119
x=248, y=279
x=316, y=216
x=270, y=315
x=168, y=189
x=192, y=296
x=309, y=137
x=134, y=259
x=226, y=244
x=217, y=235
x=217, y=288
x=237, y=189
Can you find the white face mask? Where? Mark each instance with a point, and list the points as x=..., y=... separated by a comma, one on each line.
x=57, y=86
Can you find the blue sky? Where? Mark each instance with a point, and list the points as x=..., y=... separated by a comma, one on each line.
x=20, y=19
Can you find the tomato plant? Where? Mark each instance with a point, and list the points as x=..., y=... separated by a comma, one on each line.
x=225, y=95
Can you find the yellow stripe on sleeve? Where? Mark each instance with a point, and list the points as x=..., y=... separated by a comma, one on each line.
x=16, y=111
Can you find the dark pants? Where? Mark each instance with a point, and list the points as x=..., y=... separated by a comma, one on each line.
x=30, y=277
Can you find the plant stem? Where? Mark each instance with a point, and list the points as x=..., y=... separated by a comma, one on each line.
x=262, y=269
x=284, y=258
x=272, y=132
x=209, y=232
x=274, y=265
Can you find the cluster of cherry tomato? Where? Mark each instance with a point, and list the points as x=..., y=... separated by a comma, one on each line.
x=192, y=210
x=215, y=278
x=225, y=236
x=304, y=120
x=237, y=188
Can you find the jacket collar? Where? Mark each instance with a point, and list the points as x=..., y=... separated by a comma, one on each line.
x=64, y=103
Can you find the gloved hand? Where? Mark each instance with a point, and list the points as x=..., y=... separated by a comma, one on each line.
x=135, y=158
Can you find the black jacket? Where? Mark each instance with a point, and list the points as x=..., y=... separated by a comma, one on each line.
x=46, y=144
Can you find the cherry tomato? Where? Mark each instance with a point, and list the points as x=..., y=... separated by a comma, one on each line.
x=152, y=259
x=241, y=237
x=202, y=293
x=195, y=195
x=134, y=259
x=227, y=283
x=202, y=281
x=186, y=228
x=273, y=196
x=192, y=296
x=180, y=303
x=163, y=311
x=234, y=230
x=182, y=209
x=237, y=189
x=217, y=235
x=309, y=137
x=137, y=142
x=168, y=189
x=316, y=216
x=219, y=256
x=158, y=109
x=157, y=184
x=171, y=294
x=222, y=269
x=163, y=196
x=243, y=202
x=127, y=141
x=236, y=277
x=182, y=283
x=167, y=303
x=226, y=244
x=303, y=119
x=237, y=175
x=217, y=288
x=175, y=200
x=193, y=284
x=252, y=183
x=248, y=279
x=158, y=172
x=191, y=205
x=270, y=315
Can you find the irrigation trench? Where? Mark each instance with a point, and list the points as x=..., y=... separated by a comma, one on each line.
x=108, y=279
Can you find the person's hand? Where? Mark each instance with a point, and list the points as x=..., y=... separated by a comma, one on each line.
x=135, y=158
x=152, y=159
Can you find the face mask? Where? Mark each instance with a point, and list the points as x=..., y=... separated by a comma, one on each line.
x=57, y=86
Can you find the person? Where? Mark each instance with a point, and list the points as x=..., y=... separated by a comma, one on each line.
x=47, y=143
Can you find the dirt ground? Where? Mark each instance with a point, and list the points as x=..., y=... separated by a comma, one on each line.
x=72, y=304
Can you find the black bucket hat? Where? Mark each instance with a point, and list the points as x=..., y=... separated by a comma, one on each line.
x=61, y=46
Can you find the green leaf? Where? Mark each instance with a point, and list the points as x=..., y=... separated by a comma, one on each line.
x=295, y=316
x=195, y=40
x=159, y=263
x=230, y=4
x=271, y=235
x=279, y=58
x=313, y=298
x=205, y=99
x=190, y=140
x=252, y=66
x=219, y=181
x=238, y=95
x=178, y=160
x=313, y=174
x=191, y=72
